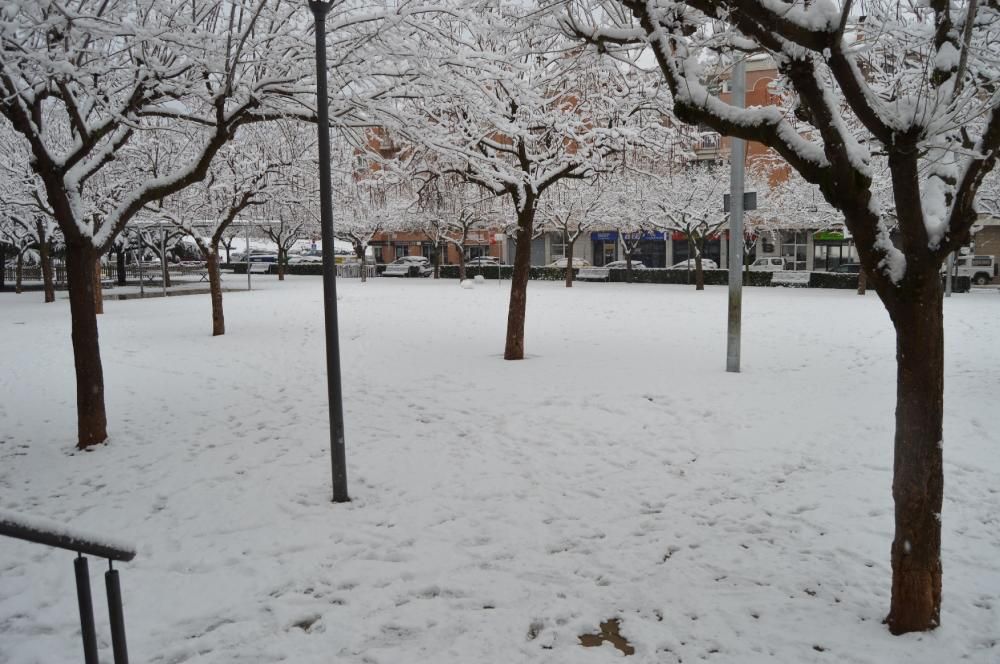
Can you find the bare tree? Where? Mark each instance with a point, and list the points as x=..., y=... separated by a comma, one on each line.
x=922, y=91
x=507, y=105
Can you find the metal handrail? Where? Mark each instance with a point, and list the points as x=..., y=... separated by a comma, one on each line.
x=30, y=531
x=55, y=535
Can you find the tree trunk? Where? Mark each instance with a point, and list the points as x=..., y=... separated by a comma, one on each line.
x=569, y=264
x=918, y=481
x=19, y=273
x=514, y=349
x=3, y=266
x=364, y=267
x=120, y=265
x=45, y=256
x=215, y=288
x=98, y=290
x=699, y=276
x=282, y=259
x=437, y=262
x=461, y=278
x=628, y=267
x=92, y=422
x=862, y=281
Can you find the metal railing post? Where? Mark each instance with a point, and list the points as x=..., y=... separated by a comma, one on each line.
x=116, y=615
x=87, y=630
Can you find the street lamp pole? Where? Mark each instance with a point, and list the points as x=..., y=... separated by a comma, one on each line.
x=335, y=395
x=736, y=165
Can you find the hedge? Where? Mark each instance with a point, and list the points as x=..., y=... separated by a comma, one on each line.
x=644, y=276
x=314, y=269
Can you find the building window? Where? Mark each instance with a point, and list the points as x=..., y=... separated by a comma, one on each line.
x=794, y=248
x=401, y=250
x=557, y=246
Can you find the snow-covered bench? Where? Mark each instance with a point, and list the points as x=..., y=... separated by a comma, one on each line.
x=260, y=268
x=594, y=273
x=401, y=270
x=788, y=278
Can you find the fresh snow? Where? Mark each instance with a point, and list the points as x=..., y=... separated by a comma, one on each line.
x=500, y=509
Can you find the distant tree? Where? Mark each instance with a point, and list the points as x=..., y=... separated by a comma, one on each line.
x=572, y=209
x=502, y=102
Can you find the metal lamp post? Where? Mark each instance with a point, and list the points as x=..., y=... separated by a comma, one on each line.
x=736, y=165
x=320, y=9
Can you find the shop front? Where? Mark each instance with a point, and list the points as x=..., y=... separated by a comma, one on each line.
x=651, y=250
x=830, y=249
x=682, y=249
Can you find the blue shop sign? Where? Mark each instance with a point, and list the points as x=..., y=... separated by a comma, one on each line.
x=612, y=236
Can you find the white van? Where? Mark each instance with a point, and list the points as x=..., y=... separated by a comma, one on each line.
x=772, y=264
x=981, y=269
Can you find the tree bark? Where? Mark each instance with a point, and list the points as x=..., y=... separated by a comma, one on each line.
x=92, y=422
x=19, y=272
x=628, y=267
x=120, y=265
x=569, y=264
x=215, y=289
x=699, y=275
x=282, y=259
x=461, y=278
x=862, y=281
x=45, y=257
x=437, y=261
x=918, y=478
x=98, y=290
x=514, y=349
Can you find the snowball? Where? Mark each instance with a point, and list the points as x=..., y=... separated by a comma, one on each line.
x=480, y=279
x=467, y=284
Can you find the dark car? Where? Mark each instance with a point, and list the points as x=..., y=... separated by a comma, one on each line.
x=848, y=268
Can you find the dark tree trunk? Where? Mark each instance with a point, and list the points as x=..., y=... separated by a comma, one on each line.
x=282, y=259
x=359, y=251
x=98, y=290
x=19, y=273
x=569, y=264
x=514, y=349
x=215, y=288
x=45, y=256
x=862, y=281
x=628, y=267
x=461, y=278
x=918, y=479
x=699, y=275
x=92, y=422
x=3, y=266
x=120, y=264
x=437, y=262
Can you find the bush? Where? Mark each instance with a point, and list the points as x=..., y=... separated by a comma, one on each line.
x=833, y=280
x=668, y=276
x=506, y=272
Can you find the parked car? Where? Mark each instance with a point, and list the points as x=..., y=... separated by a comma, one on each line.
x=623, y=265
x=689, y=264
x=483, y=261
x=770, y=264
x=981, y=269
x=304, y=258
x=256, y=256
x=848, y=268
x=562, y=262
x=418, y=264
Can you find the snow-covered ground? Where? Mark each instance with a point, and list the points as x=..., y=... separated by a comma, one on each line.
x=500, y=510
